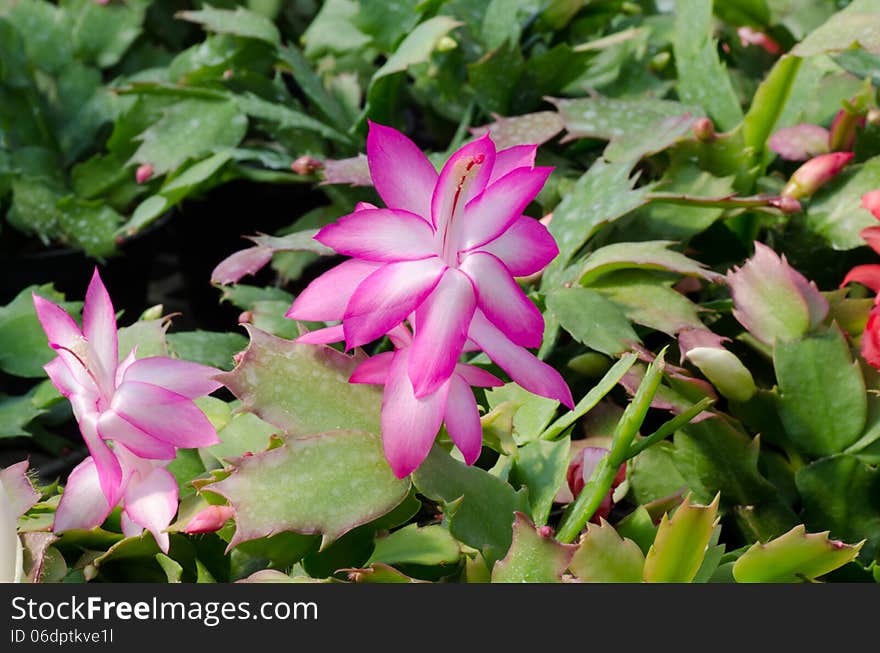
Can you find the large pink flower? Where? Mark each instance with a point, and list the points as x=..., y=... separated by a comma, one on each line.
x=144, y=406
x=869, y=275
x=446, y=249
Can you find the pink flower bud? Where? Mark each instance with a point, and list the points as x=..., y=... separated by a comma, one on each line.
x=785, y=204
x=209, y=520
x=815, y=173
x=143, y=173
x=581, y=469
x=306, y=165
x=704, y=130
x=749, y=36
x=227, y=74
x=871, y=201
x=246, y=317
x=843, y=130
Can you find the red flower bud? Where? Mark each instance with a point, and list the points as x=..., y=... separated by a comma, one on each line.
x=209, y=520
x=815, y=173
x=143, y=173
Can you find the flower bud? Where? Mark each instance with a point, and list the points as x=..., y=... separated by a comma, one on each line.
x=209, y=520
x=726, y=372
x=815, y=173
x=306, y=165
x=143, y=173
x=785, y=204
x=704, y=130
x=749, y=36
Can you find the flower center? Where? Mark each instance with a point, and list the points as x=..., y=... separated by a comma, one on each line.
x=468, y=172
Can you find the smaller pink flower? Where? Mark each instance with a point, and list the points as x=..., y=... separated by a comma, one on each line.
x=209, y=520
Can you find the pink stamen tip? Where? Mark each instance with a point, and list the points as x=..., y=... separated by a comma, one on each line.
x=479, y=158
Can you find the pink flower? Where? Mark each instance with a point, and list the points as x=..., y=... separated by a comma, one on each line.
x=445, y=252
x=410, y=423
x=143, y=406
x=869, y=275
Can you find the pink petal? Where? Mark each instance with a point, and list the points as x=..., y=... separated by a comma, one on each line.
x=525, y=248
x=106, y=463
x=867, y=275
x=164, y=415
x=503, y=301
x=123, y=366
x=493, y=212
x=400, y=336
x=20, y=494
x=325, y=336
x=871, y=202
x=463, y=420
x=518, y=156
x=409, y=425
x=326, y=297
x=477, y=377
x=387, y=297
x=113, y=427
x=871, y=235
x=183, y=377
x=209, y=520
x=442, y=326
x=152, y=503
x=129, y=528
x=61, y=376
x=99, y=328
x=800, y=142
x=241, y=263
x=59, y=326
x=83, y=504
x=401, y=173
x=374, y=370
x=380, y=235
x=529, y=372
x=464, y=176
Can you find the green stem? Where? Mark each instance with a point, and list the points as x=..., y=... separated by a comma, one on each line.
x=585, y=405
x=597, y=487
x=670, y=427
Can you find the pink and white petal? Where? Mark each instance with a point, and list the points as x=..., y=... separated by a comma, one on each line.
x=463, y=420
x=478, y=377
x=129, y=528
x=83, y=504
x=242, y=263
x=113, y=427
x=402, y=175
x=525, y=248
x=326, y=297
x=20, y=493
x=325, y=336
x=867, y=275
x=363, y=206
x=60, y=328
x=374, y=370
x=380, y=235
x=409, y=425
x=442, y=327
x=508, y=160
x=61, y=377
x=464, y=176
x=401, y=336
x=503, y=301
x=106, y=462
x=152, y=503
x=524, y=368
x=387, y=297
x=123, y=366
x=99, y=328
x=490, y=214
x=164, y=415
x=183, y=377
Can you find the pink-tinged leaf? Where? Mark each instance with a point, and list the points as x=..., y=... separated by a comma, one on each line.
x=478, y=377
x=326, y=297
x=297, y=241
x=242, y=263
x=354, y=171
x=164, y=415
x=767, y=301
x=401, y=173
x=113, y=427
x=867, y=275
x=490, y=214
x=99, y=328
x=526, y=370
x=183, y=377
x=692, y=338
x=464, y=176
x=262, y=381
x=387, y=297
x=325, y=336
x=525, y=248
x=409, y=424
x=503, y=301
x=20, y=493
x=327, y=483
x=442, y=323
x=374, y=370
x=506, y=161
x=83, y=504
x=871, y=202
x=209, y=520
x=817, y=305
x=151, y=502
x=462, y=419
x=530, y=128
x=800, y=142
x=38, y=557
x=380, y=235
x=533, y=557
